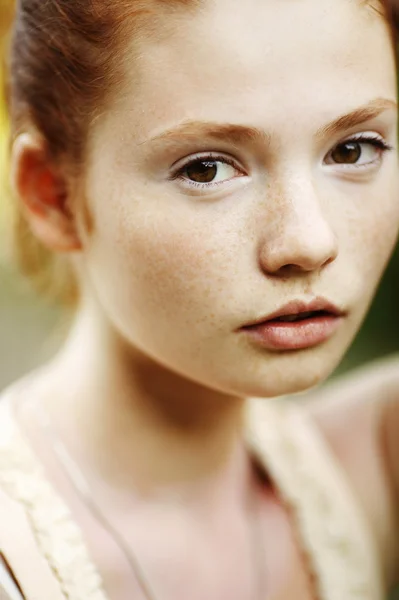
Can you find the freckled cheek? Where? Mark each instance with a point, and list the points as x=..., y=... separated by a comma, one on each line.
x=372, y=232
x=174, y=264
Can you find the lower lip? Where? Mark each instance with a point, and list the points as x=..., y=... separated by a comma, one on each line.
x=298, y=335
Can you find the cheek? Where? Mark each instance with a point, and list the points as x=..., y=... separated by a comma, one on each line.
x=381, y=227
x=174, y=266
x=371, y=231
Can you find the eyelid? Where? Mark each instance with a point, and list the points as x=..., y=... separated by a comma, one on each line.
x=183, y=163
x=372, y=138
x=366, y=137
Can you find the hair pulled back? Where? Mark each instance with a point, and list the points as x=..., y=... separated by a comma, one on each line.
x=65, y=59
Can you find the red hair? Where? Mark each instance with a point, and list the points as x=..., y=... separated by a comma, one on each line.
x=65, y=61
x=66, y=58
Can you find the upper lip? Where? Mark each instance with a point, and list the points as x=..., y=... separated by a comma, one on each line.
x=297, y=307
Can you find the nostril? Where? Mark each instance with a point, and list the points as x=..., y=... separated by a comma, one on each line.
x=329, y=261
x=290, y=269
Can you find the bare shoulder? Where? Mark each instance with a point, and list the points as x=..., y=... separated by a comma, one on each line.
x=359, y=417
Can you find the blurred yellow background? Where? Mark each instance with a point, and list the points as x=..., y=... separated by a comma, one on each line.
x=5, y=17
x=26, y=323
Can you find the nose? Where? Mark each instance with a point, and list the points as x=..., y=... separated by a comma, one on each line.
x=300, y=237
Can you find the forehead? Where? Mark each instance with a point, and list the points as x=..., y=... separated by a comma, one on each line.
x=247, y=58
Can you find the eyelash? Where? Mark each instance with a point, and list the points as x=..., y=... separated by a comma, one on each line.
x=376, y=141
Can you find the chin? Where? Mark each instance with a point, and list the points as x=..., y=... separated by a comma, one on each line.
x=284, y=374
x=295, y=385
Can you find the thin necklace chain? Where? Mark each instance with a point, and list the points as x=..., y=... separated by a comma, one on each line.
x=82, y=488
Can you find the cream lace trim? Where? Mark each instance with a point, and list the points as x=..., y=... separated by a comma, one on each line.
x=58, y=537
x=330, y=523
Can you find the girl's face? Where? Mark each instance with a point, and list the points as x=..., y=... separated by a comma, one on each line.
x=249, y=162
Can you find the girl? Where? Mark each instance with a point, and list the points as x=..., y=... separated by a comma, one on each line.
x=218, y=181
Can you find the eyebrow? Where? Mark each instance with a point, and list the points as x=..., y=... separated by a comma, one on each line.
x=357, y=117
x=219, y=132
x=239, y=134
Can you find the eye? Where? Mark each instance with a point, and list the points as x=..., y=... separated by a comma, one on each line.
x=207, y=172
x=360, y=151
x=349, y=153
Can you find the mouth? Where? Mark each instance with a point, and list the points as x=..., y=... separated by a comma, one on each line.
x=303, y=316
x=296, y=326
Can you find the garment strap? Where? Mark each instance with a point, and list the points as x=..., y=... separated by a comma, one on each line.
x=331, y=525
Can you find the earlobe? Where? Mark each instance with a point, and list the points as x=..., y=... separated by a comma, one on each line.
x=43, y=193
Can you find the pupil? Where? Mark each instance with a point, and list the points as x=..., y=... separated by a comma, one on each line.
x=203, y=171
x=348, y=153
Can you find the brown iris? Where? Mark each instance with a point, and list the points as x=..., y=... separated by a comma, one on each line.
x=202, y=171
x=348, y=153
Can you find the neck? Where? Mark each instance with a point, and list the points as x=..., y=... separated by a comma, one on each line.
x=133, y=423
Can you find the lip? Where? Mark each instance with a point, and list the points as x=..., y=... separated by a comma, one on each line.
x=272, y=334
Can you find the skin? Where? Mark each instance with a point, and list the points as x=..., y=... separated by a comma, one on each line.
x=154, y=367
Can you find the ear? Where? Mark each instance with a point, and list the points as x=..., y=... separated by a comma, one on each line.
x=43, y=193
